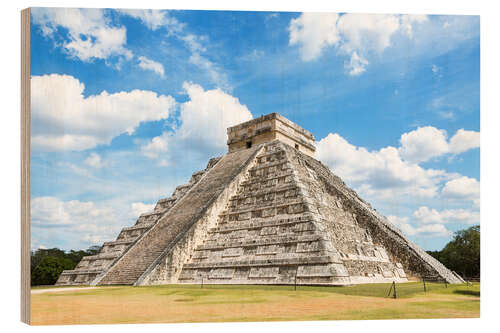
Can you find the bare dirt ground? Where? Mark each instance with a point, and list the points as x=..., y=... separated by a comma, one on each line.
x=55, y=290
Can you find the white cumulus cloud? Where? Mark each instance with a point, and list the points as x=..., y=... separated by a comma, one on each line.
x=90, y=34
x=426, y=215
x=50, y=211
x=409, y=20
x=76, y=224
x=64, y=119
x=367, y=32
x=380, y=173
x=204, y=119
x=462, y=188
x=392, y=171
x=434, y=230
x=157, y=146
x=210, y=109
x=357, y=36
x=464, y=140
x=427, y=142
x=151, y=65
x=423, y=143
x=138, y=208
x=313, y=32
x=154, y=19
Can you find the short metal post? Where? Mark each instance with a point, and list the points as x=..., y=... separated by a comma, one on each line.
x=425, y=287
x=445, y=284
x=390, y=290
x=394, y=285
x=295, y=281
x=202, y=283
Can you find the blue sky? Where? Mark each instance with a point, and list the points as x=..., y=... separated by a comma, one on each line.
x=126, y=105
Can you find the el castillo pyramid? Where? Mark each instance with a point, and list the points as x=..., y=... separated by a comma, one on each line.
x=267, y=212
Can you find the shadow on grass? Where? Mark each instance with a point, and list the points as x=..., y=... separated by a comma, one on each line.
x=468, y=292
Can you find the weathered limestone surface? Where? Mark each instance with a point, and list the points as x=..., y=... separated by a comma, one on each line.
x=173, y=226
x=265, y=213
x=283, y=227
x=267, y=234
x=269, y=128
x=408, y=256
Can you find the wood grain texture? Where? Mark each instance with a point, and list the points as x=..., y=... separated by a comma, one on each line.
x=25, y=165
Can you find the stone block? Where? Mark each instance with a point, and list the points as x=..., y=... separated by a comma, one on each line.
x=232, y=252
x=267, y=249
x=268, y=231
x=264, y=272
x=307, y=247
x=221, y=273
x=244, y=216
x=268, y=212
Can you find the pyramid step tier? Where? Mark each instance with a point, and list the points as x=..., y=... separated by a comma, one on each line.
x=257, y=223
x=280, y=177
x=262, y=241
x=142, y=257
x=111, y=255
x=280, y=207
x=120, y=242
x=138, y=227
x=263, y=192
x=310, y=260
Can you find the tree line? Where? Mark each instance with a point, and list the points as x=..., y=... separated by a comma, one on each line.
x=47, y=264
x=463, y=253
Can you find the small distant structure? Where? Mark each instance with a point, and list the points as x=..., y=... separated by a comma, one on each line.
x=267, y=212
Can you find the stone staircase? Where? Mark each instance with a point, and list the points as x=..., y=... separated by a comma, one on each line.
x=91, y=268
x=177, y=220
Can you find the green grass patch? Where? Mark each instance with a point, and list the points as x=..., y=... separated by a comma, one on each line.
x=219, y=303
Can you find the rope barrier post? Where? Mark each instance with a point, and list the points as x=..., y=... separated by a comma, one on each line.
x=295, y=281
x=390, y=290
x=425, y=287
x=202, y=283
x=394, y=284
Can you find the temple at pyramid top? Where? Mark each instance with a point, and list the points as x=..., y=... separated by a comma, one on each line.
x=269, y=128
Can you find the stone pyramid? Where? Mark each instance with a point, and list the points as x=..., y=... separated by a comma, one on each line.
x=265, y=213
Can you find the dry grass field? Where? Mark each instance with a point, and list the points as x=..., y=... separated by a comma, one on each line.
x=191, y=303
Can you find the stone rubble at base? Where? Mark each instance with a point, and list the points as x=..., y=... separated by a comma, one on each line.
x=265, y=213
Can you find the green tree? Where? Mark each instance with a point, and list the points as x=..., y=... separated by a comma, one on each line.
x=45, y=263
x=38, y=255
x=463, y=253
x=48, y=270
